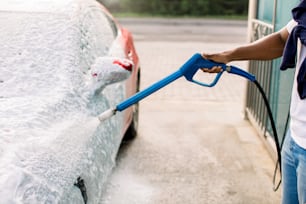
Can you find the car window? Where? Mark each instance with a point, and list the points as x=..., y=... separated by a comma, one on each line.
x=97, y=37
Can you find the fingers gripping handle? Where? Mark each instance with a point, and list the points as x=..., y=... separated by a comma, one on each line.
x=196, y=62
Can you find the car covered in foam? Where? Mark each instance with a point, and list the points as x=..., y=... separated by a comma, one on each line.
x=62, y=64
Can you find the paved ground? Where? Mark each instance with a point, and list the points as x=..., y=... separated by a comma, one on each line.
x=194, y=145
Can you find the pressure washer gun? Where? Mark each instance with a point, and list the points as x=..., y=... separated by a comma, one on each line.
x=188, y=70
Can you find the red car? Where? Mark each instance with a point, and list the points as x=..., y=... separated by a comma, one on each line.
x=62, y=64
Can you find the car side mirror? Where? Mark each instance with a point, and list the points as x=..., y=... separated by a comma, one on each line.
x=109, y=70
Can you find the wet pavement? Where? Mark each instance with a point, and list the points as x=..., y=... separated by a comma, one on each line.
x=194, y=145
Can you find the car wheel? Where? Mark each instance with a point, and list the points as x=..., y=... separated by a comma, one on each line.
x=131, y=132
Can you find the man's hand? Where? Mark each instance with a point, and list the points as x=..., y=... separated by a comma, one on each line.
x=218, y=57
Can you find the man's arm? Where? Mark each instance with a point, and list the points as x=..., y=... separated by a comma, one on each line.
x=267, y=48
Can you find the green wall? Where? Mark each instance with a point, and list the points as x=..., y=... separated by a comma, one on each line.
x=265, y=10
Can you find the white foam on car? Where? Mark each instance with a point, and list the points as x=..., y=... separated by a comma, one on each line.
x=47, y=135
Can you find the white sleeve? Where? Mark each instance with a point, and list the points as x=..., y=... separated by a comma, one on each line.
x=290, y=25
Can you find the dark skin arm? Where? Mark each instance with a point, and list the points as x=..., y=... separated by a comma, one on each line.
x=267, y=48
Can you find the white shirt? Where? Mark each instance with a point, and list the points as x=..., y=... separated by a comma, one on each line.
x=298, y=106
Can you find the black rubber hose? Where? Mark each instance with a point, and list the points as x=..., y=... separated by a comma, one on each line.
x=277, y=144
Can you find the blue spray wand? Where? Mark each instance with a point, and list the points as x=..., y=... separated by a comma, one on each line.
x=188, y=70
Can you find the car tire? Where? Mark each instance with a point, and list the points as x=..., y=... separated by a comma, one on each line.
x=131, y=132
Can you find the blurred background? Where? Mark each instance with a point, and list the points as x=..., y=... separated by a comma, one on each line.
x=178, y=7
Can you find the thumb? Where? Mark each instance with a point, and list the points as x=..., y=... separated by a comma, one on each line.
x=208, y=56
